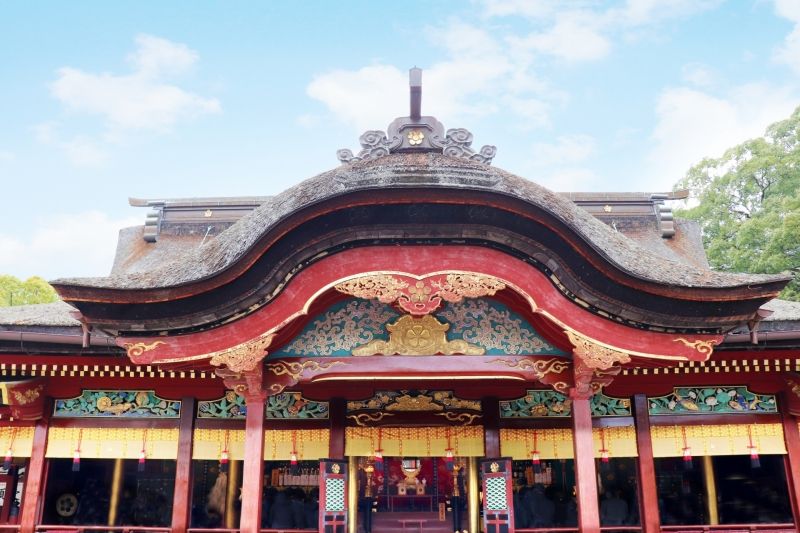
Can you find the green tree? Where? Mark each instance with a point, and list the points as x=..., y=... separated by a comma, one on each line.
x=748, y=204
x=33, y=290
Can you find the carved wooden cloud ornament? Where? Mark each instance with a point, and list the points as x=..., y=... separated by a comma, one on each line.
x=416, y=133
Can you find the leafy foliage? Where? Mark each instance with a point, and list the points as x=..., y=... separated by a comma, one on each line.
x=749, y=204
x=34, y=290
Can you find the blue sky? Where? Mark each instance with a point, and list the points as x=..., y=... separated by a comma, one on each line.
x=101, y=100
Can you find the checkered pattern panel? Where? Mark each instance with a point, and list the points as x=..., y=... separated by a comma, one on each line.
x=334, y=494
x=496, y=494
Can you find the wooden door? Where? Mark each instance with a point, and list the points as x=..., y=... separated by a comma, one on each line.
x=498, y=495
x=333, y=496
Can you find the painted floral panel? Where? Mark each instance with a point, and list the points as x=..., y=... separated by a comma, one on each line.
x=129, y=404
x=710, y=400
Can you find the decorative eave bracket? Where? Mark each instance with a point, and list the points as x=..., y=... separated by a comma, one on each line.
x=416, y=133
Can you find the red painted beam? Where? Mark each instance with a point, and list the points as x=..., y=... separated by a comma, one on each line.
x=338, y=421
x=648, y=496
x=585, y=471
x=253, y=479
x=182, y=497
x=791, y=434
x=33, y=497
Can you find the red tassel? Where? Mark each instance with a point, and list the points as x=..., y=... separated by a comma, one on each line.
x=604, y=457
x=293, y=459
x=140, y=466
x=7, y=460
x=76, y=461
x=223, y=461
x=687, y=452
x=755, y=462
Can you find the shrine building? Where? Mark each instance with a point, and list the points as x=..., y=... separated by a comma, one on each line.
x=414, y=340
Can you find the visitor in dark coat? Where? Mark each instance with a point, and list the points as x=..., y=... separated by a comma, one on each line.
x=280, y=514
x=540, y=508
x=613, y=510
x=311, y=508
x=521, y=516
x=298, y=510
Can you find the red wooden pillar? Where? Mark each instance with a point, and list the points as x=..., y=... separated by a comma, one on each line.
x=791, y=435
x=253, y=478
x=181, y=499
x=35, y=474
x=338, y=417
x=491, y=427
x=585, y=471
x=648, y=495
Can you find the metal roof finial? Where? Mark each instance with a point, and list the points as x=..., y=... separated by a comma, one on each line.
x=415, y=88
x=416, y=133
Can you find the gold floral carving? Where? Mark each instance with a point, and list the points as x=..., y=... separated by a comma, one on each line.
x=28, y=396
x=540, y=367
x=460, y=286
x=138, y=348
x=704, y=347
x=420, y=402
x=465, y=418
x=425, y=295
x=244, y=356
x=411, y=335
x=362, y=418
x=381, y=287
x=295, y=370
x=594, y=355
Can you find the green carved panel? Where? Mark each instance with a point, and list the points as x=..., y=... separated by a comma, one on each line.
x=537, y=404
x=549, y=403
x=230, y=406
x=291, y=405
x=119, y=403
x=712, y=400
x=603, y=405
x=284, y=406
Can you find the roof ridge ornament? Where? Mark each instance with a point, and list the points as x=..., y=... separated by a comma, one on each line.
x=416, y=133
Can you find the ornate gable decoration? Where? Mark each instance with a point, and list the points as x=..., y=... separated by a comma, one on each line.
x=420, y=296
x=389, y=403
x=416, y=133
x=358, y=327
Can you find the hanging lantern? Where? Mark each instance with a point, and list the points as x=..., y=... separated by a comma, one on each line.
x=379, y=460
x=604, y=456
x=755, y=462
x=449, y=460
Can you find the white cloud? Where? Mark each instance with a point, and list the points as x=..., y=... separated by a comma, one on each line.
x=692, y=124
x=478, y=77
x=155, y=56
x=6, y=155
x=67, y=244
x=789, y=52
x=350, y=95
x=82, y=151
x=567, y=179
x=574, y=37
x=142, y=99
x=566, y=150
x=698, y=75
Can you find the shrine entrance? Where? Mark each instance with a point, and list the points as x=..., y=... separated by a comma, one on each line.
x=397, y=494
